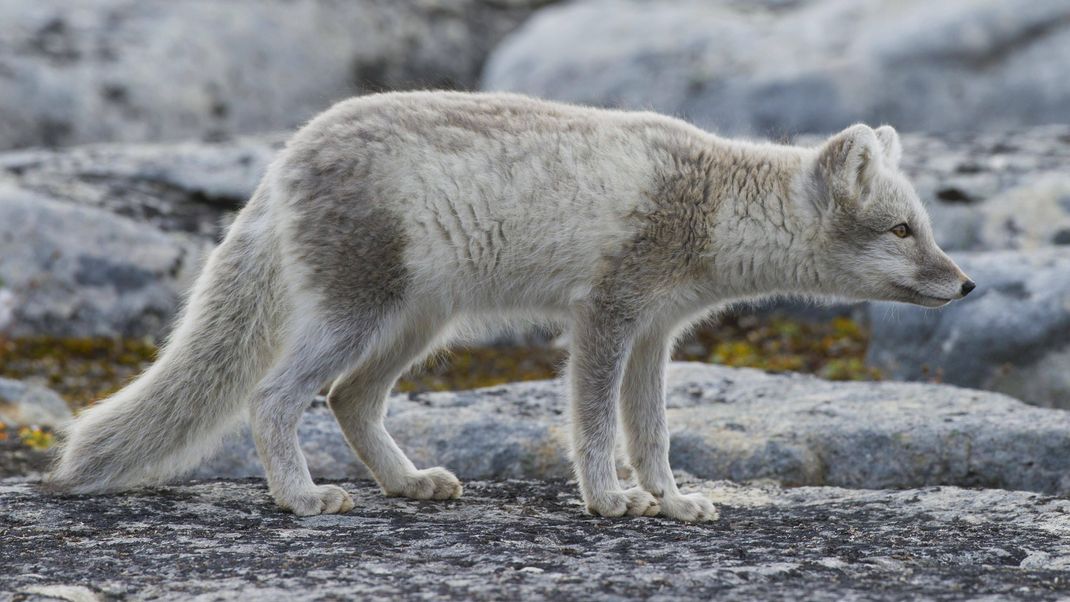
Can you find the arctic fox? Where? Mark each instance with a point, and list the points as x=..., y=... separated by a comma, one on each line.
x=392, y=221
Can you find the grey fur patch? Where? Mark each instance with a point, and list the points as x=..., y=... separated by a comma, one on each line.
x=344, y=232
x=353, y=248
x=673, y=231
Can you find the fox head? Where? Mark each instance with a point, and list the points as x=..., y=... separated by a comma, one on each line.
x=876, y=239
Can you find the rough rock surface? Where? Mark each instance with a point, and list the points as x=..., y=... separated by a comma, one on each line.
x=528, y=540
x=806, y=66
x=1030, y=216
x=78, y=71
x=185, y=187
x=726, y=423
x=103, y=240
x=989, y=191
x=81, y=271
x=1011, y=335
x=17, y=459
x=26, y=404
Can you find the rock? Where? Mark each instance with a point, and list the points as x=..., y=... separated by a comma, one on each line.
x=807, y=66
x=7, y=309
x=19, y=460
x=515, y=431
x=726, y=423
x=1010, y=335
x=990, y=191
x=25, y=404
x=79, y=271
x=1029, y=216
x=185, y=187
x=93, y=70
x=530, y=540
x=103, y=240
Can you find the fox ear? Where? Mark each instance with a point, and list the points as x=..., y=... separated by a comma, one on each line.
x=847, y=162
x=891, y=151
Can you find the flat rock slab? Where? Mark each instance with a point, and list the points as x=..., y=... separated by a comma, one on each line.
x=529, y=540
x=726, y=423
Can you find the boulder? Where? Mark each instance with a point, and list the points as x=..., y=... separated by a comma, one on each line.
x=188, y=187
x=811, y=66
x=995, y=190
x=1011, y=335
x=726, y=423
x=26, y=404
x=530, y=540
x=77, y=71
x=1029, y=216
x=76, y=271
x=103, y=240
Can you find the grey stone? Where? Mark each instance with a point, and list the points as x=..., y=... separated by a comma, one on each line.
x=990, y=191
x=811, y=66
x=80, y=271
x=77, y=71
x=1012, y=334
x=103, y=240
x=7, y=308
x=1029, y=216
x=185, y=187
x=726, y=423
x=530, y=540
x=27, y=404
x=970, y=182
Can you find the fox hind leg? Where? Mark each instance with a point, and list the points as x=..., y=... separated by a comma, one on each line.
x=310, y=360
x=358, y=400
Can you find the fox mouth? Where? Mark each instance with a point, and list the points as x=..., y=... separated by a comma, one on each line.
x=919, y=298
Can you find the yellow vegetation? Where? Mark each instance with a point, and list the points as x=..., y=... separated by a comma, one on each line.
x=83, y=370
x=37, y=438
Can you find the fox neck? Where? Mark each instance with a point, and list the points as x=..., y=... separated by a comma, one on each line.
x=764, y=240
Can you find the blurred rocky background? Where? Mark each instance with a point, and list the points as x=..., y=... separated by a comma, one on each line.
x=132, y=131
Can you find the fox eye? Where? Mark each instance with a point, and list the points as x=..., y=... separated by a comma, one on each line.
x=901, y=230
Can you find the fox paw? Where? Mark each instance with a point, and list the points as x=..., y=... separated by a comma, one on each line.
x=322, y=499
x=693, y=507
x=429, y=484
x=633, y=502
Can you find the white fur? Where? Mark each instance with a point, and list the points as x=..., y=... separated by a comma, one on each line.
x=629, y=226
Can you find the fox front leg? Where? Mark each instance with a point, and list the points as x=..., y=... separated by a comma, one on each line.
x=600, y=345
x=647, y=432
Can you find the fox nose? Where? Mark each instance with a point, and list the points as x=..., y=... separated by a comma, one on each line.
x=967, y=287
